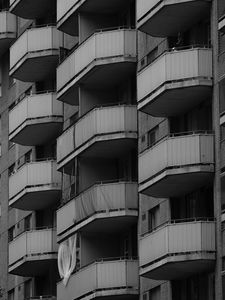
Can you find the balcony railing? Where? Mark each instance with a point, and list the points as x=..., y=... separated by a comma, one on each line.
x=192, y=154
x=99, y=122
x=100, y=198
x=7, y=30
x=65, y=10
x=35, y=184
x=34, y=9
x=36, y=119
x=97, y=50
x=166, y=18
x=35, y=53
x=31, y=246
x=162, y=93
x=178, y=244
x=104, y=278
x=221, y=25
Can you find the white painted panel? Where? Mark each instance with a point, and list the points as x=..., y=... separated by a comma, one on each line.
x=111, y=274
x=144, y=6
x=18, y=49
x=17, y=181
x=17, y=115
x=65, y=216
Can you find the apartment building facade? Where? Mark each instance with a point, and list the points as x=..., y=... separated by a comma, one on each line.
x=112, y=149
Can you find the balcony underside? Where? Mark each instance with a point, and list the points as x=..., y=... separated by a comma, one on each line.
x=37, y=131
x=69, y=22
x=175, y=182
x=36, y=198
x=5, y=40
x=36, y=66
x=176, y=98
x=102, y=146
x=104, y=222
x=31, y=9
x=179, y=266
x=34, y=265
x=104, y=73
x=168, y=18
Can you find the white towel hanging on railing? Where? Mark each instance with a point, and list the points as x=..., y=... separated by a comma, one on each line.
x=67, y=258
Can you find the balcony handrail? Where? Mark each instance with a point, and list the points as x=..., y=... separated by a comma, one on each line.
x=29, y=94
x=31, y=229
x=168, y=50
x=176, y=221
x=30, y=161
x=102, y=260
x=96, y=107
x=95, y=184
x=40, y=297
x=77, y=45
x=174, y=135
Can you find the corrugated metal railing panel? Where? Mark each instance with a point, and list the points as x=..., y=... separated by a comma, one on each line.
x=34, y=106
x=66, y=143
x=32, y=242
x=33, y=174
x=99, y=45
x=35, y=39
x=172, y=66
x=102, y=197
x=174, y=152
x=177, y=238
x=101, y=275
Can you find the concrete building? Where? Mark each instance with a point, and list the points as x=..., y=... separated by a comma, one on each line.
x=112, y=166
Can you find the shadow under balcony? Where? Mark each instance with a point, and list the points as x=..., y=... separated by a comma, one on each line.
x=178, y=250
x=34, y=9
x=103, y=60
x=177, y=165
x=33, y=252
x=67, y=11
x=8, y=30
x=35, y=186
x=175, y=82
x=35, y=54
x=103, y=132
x=106, y=279
x=36, y=119
x=102, y=208
x=165, y=18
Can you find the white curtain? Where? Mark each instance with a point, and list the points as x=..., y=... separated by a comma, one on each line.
x=67, y=258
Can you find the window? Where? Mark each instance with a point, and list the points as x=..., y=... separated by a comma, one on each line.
x=28, y=289
x=27, y=223
x=28, y=156
x=12, y=169
x=154, y=294
x=153, y=218
x=11, y=294
x=152, y=136
x=11, y=233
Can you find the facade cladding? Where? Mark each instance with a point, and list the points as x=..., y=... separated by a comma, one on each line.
x=112, y=149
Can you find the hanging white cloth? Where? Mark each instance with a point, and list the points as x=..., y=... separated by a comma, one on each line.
x=67, y=258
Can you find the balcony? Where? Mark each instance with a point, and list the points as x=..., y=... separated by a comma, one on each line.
x=42, y=297
x=35, y=186
x=104, y=59
x=177, y=165
x=184, y=81
x=7, y=30
x=35, y=120
x=34, y=9
x=104, y=207
x=221, y=25
x=34, y=55
x=67, y=11
x=33, y=252
x=102, y=279
x=165, y=18
x=178, y=250
x=102, y=132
